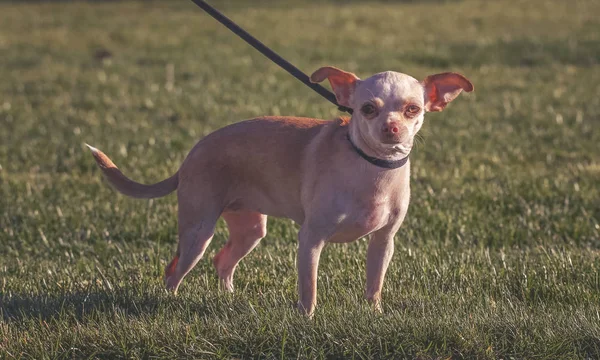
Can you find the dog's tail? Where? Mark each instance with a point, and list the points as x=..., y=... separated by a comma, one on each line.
x=128, y=187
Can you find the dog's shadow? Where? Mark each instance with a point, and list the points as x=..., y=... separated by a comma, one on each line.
x=83, y=304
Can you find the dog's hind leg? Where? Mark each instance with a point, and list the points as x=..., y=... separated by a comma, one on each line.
x=246, y=229
x=196, y=229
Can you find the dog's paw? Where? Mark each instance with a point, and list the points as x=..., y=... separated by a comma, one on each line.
x=171, y=284
x=308, y=313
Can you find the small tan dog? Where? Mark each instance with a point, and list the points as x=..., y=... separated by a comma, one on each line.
x=341, y=180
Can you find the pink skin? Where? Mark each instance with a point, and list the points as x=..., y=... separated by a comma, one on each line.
x=305, y=170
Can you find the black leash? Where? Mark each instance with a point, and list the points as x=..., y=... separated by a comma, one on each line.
x=270, y=53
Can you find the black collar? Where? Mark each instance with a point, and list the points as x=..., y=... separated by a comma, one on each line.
x=388, y=164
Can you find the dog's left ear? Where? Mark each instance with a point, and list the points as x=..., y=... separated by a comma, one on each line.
x=342, y=82
x=440, y=89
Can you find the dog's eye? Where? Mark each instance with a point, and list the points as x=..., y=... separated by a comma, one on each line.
x=412, y=110
x=368, y=109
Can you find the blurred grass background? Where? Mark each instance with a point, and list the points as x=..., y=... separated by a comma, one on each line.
x=498, y=256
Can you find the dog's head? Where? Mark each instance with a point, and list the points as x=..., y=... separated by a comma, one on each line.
x=389, y=107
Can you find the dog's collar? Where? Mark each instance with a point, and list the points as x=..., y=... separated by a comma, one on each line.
x=387, y=164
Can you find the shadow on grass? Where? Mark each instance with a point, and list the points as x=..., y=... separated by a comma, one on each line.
x=82, y=304
x=515, y=53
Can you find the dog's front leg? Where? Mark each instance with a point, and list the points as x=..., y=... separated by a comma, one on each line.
x=310, y=244
x=379, y=254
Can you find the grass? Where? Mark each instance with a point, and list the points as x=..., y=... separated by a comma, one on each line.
x=498, y=258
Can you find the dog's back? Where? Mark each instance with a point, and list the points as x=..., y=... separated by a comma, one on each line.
x=232, y=160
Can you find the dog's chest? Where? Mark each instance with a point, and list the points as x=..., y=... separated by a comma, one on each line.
x=364, y=201
x=363, y=217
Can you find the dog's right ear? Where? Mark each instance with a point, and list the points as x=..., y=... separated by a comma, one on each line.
x=440, y=89
x=342, y=82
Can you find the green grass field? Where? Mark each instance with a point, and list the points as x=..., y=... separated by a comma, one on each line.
x=499, y=256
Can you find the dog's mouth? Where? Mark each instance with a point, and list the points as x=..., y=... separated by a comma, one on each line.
x=404, y=150
x=391, y=141
x=395, y=147
x=386, y=147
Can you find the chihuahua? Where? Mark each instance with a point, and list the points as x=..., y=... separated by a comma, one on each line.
x=340, y=180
